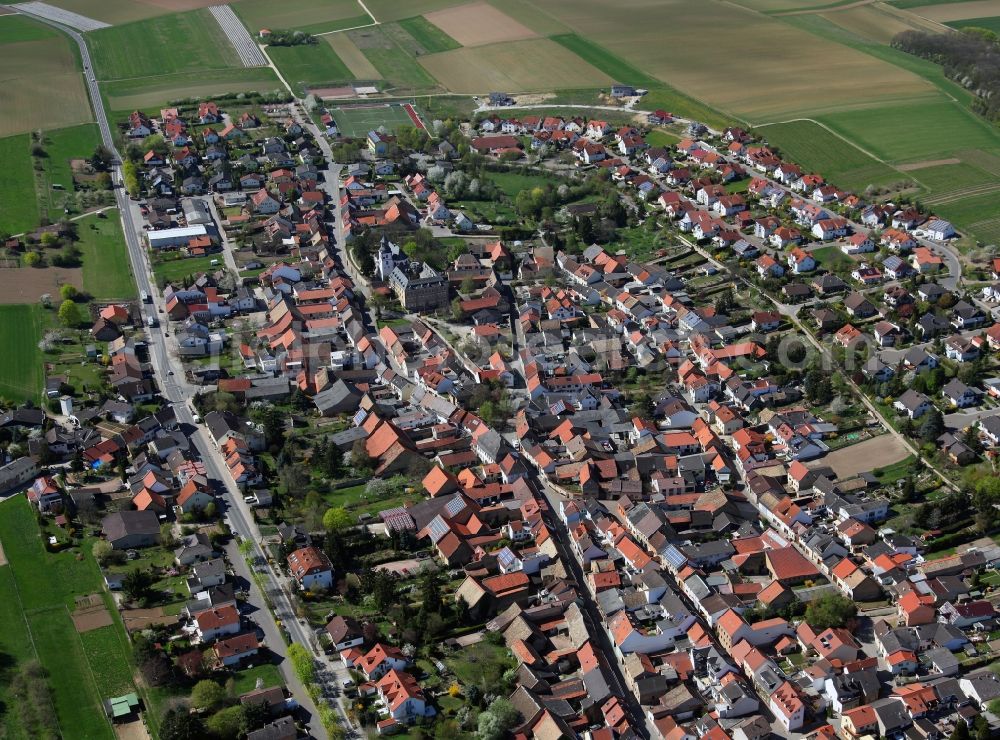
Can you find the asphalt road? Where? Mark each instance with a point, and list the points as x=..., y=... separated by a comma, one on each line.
x=168, y=369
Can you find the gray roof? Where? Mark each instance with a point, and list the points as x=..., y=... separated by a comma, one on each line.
x=124, y=523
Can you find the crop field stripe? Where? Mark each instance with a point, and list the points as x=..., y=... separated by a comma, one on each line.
x=429, y=36
x=611, y=64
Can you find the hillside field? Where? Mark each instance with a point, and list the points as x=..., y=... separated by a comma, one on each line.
x=184, y=42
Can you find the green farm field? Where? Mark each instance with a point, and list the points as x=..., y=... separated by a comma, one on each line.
x=357, y=122
x=34, y=58
x=992, y=23
x=184, y=42
x=124, y=96
x=82, y=669
x=393, y=10
x=309, y=65
x=312, y=16
x=531, y=65
x=18, y=206
x=21, y=372
x=431, y=38
x=395, y=64
x=840, y=162
x=106, y=271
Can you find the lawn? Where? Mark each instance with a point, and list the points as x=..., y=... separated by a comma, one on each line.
x=897, y=471
x=246, y=680
x=82, y=669
x=512, y=183
x=124, y=96
x=480, y=664
x=309, y=65
x=61, y=146
x=181, y=268
x=15, y=646
x=659, y=137
x=182, y=42
x=431, y=38
x=816, y=149
x=18, y=206
x=107, y=274
x=21, y=328
x=833, y=259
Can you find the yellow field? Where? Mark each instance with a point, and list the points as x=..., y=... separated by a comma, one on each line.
x=519, y=66
x=959, y=11
x=879, y=23
x=745, y=63
x=41, y=87
x=352, y=56
x=477, y=24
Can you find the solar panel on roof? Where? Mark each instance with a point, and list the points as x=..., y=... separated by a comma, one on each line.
x=455, y=506
x=437, y=529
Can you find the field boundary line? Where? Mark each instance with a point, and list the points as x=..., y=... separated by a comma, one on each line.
x=364, y=7
x=828, y=130
x=90, y=670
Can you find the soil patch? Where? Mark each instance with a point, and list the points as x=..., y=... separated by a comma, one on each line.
x=134, y=730
x=865, y=456
x=927, y=163
x=476, y=24
x=91, y=613
x=27, y=284
x=140, y=619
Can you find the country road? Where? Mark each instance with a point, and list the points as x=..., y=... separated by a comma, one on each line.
x=169, y=372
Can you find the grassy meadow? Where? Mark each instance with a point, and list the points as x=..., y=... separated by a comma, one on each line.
x=106, y=271
x=18, y=207
x=313, y=64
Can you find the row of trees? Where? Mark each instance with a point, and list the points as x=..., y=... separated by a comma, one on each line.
x=970, y=58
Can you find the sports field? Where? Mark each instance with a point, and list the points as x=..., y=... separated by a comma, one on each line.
x=183, y=42
x=309, y=65
x=34, y=58
x=313, y=16
x=18, y=207
x=21, y=328
x=124, y=96
x=106, y=271
x=38, y=591
x=533, y=65
x=357, y=122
